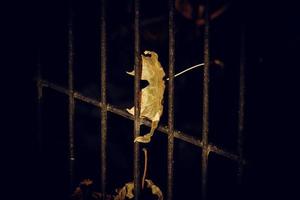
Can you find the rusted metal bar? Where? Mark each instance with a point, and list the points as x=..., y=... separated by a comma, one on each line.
x=137, y=99
x=103, y=99
x=205, y=119
x=241, y=103
x=71, y=96
x=164, y=129
x=171, y=100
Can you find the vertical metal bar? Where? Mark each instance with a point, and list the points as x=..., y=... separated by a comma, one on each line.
x=137, y=99
x=71, y=95
x=241, y=103
x=171, y=100
x=205, y=122
x=39, y=105
x=103, y=99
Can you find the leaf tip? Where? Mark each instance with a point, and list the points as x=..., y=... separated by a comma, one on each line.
x=130, y=73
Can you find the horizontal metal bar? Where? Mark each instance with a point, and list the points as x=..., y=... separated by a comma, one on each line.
x=164, y=129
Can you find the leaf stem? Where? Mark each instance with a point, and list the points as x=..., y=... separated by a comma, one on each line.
x=145, y=167
x=217, y=62
x=188, y=69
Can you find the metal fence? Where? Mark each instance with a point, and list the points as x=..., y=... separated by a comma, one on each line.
x=105, y=107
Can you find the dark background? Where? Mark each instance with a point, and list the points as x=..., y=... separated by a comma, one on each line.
x=272, y=47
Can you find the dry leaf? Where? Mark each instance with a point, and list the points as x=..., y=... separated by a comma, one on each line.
x=85, y=191
x=152, y=95
x=155, y=189
x=127, y=191
x=86, y=182
x=77, y=194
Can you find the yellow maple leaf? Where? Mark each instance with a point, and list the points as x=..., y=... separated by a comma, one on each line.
x=152, y=95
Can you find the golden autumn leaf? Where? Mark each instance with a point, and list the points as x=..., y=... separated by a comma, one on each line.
x=154, y=189
x=152, y=95
x=127, y=190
